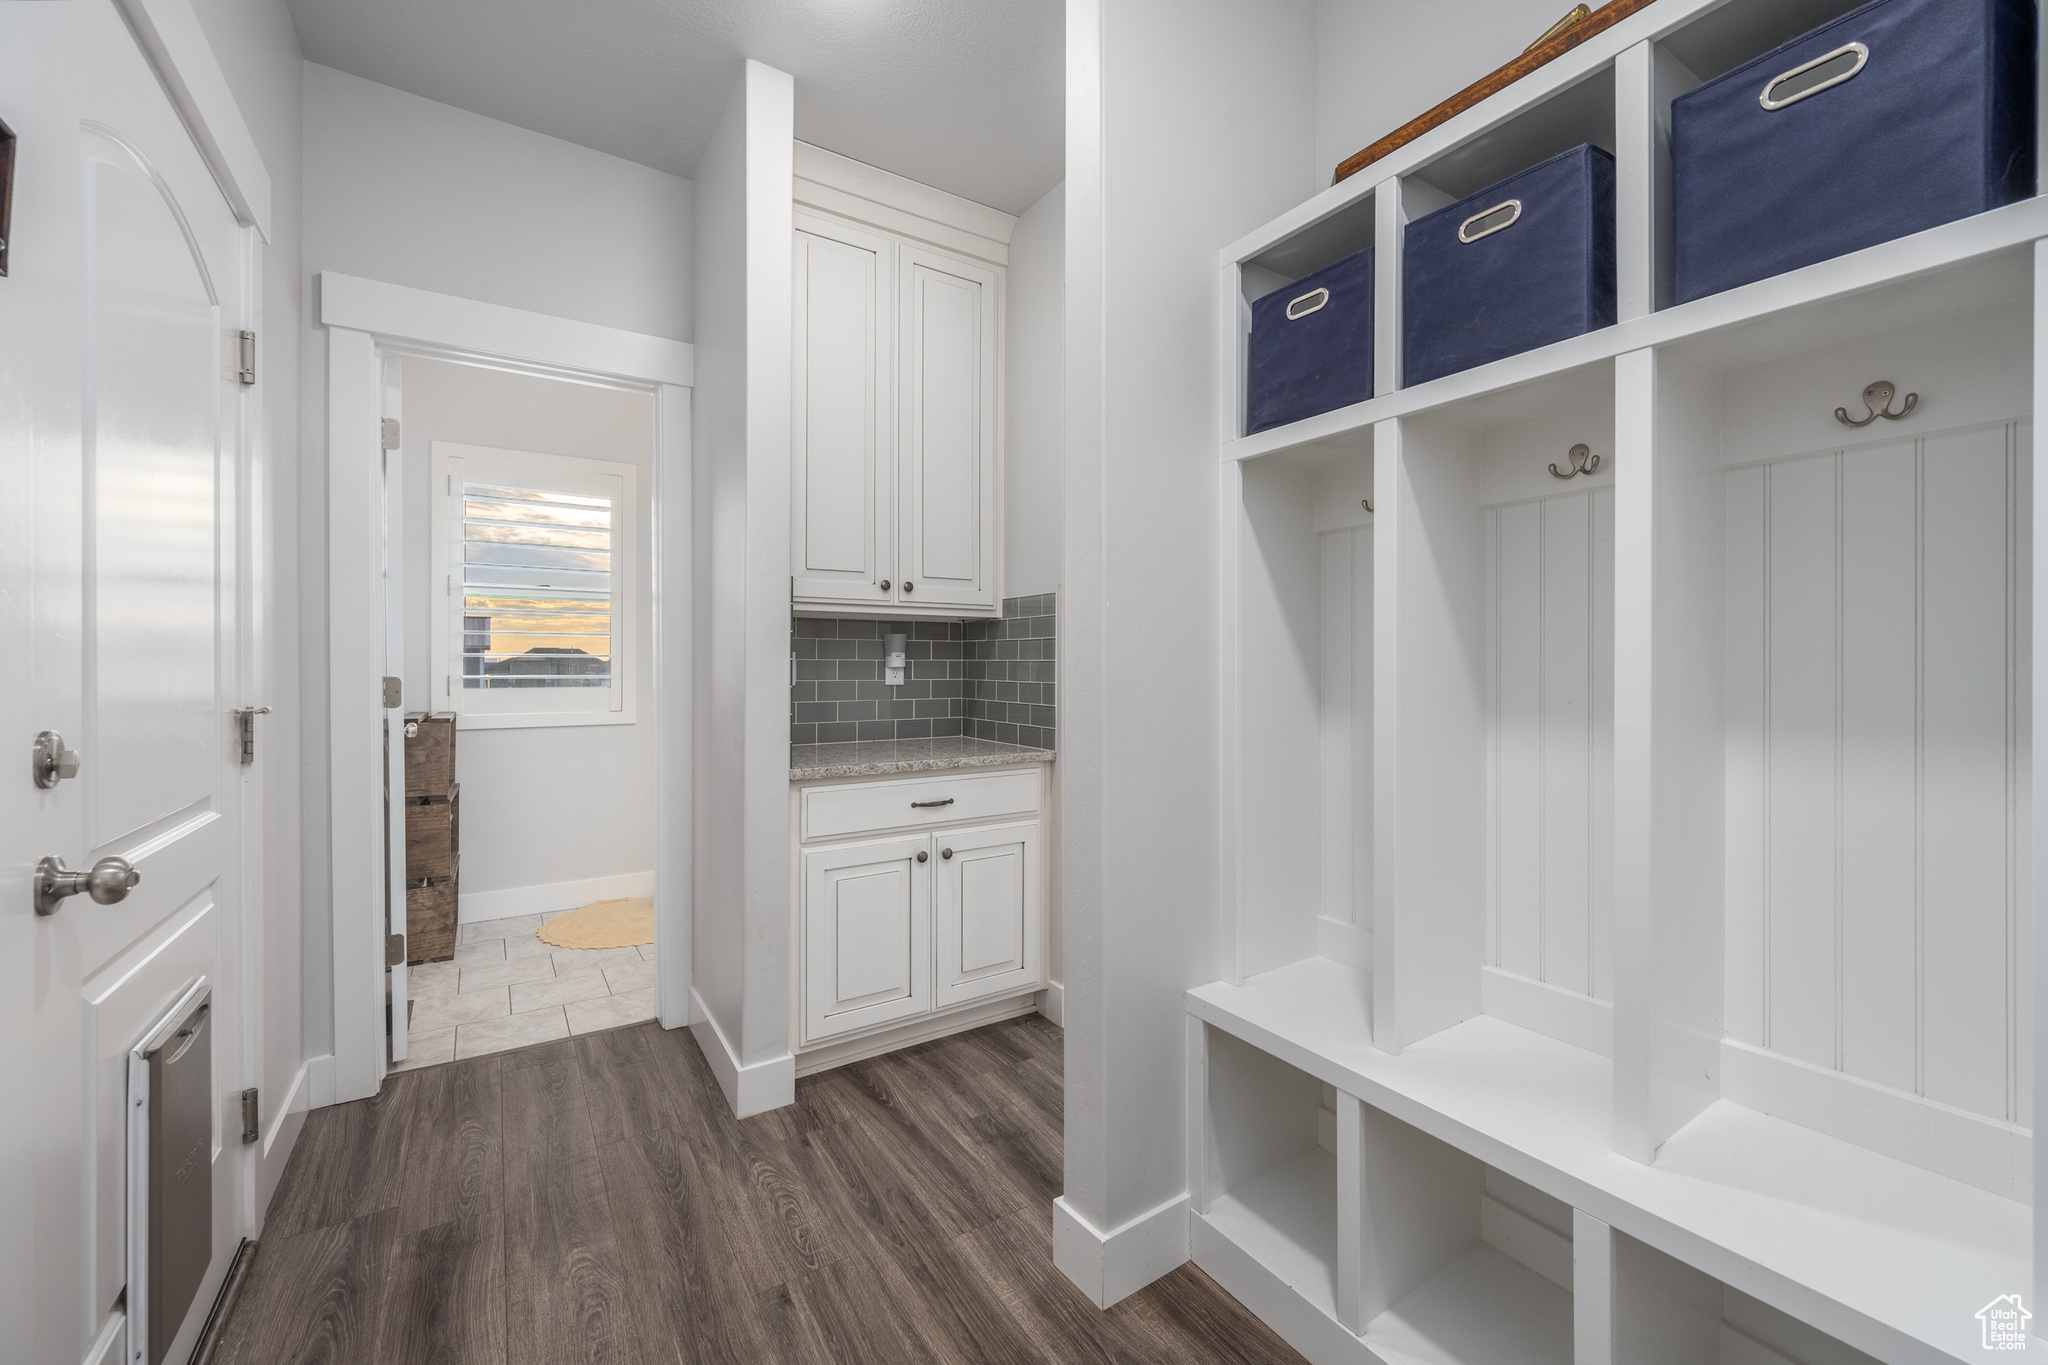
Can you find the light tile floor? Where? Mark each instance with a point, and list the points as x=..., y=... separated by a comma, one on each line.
x=506, y=989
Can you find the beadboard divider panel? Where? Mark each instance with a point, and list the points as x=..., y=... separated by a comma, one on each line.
x=1877, y=765
x=1346, y=715
x=1668, y=742
x=1429, y=705
x=1550, y=812
x=1278, y=665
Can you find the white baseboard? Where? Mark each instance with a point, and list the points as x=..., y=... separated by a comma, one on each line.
x=110, y=1343
x=1052, y=1002
x=828, y=1055
x=549, y=897
x=287, y=1118
x=320, y=1081
x=1963, y=1146
x=1111, y=1266
x=293, y=1101
x=1564, y=1015
x=1345, y=942
x=749, y=1090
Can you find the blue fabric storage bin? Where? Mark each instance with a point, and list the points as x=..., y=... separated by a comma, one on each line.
x=1321, y=358
x=1937, y=124
x=1541, y=274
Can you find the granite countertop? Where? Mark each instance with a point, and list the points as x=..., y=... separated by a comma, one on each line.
x=882, y=757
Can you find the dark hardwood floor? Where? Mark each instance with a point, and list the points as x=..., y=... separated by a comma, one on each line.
x=593, y=1200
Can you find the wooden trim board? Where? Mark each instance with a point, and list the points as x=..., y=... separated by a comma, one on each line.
x=1602, y=19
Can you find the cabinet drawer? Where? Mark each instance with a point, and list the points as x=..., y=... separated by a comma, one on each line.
x=910, y=803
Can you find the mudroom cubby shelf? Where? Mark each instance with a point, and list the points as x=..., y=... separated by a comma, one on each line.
x=1627, y=765
x=1615, y=91
x=1950, y=269
x=1821, y=1251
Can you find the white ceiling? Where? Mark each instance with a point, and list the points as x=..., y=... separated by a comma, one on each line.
x=966, y=95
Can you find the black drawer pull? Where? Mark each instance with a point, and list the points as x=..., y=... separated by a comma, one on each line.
x=927, y=805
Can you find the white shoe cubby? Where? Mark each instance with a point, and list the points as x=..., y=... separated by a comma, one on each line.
x=1647, y=1306
x=1649, y=851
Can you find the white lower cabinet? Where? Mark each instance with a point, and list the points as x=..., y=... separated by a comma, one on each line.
x=867, y=934
x=892, y=929
x=987, y=901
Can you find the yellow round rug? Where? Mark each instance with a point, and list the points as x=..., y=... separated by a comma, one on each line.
x=622, y=923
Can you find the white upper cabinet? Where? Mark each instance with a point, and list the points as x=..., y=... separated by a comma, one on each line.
x=843, y=538
x=896, y=461
x=946, y=442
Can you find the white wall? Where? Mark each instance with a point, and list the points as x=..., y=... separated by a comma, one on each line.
x=1035, y=448
x=1161, y=173
x=1035, y=434
x=740, y=442
x=258, y=50
x=551, y=803
x=408, y=191
x=1380, y=63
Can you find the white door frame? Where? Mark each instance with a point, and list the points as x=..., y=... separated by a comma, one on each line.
x=363, y=318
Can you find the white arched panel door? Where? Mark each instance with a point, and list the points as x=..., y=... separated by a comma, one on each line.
x=120, y=356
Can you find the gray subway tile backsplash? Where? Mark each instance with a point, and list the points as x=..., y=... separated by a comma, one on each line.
x=983, y=679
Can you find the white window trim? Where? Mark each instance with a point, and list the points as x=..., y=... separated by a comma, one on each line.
x=531, y=469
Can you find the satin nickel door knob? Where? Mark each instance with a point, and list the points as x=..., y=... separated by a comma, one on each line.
x=109, y=880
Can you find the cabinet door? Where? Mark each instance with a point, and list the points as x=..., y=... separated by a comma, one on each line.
x=990, y=912
x=867, y=938
x=946, y=443
x=842, y=482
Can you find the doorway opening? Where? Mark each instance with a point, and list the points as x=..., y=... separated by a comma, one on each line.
x=518, y=536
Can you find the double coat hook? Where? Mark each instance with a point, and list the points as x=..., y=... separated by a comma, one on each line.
x=1877, y=402
x=1584, y=461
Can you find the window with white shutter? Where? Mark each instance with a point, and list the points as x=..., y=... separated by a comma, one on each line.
x=533, y=558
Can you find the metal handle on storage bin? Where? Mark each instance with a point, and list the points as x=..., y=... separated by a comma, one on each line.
x=1844, y=62
x=1486, y=222
x=1308, y=303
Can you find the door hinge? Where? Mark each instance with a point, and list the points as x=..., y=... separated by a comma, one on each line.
x=247, y=374
x=394, y=950
x=390, y=433
x=247, y=717
x=394, y=694
x=252, y=1116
